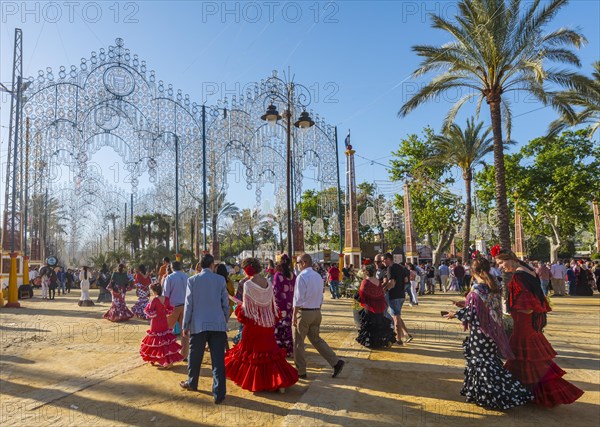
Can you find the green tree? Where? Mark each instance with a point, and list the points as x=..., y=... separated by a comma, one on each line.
x=219, y=209
x=435, y=210
x=552, y=181
x=465, y=150
x=132, y=236
x=498, y=46
x=251, y=221
x=585, y=94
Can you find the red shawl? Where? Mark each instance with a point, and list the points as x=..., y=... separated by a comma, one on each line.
x=372, y=297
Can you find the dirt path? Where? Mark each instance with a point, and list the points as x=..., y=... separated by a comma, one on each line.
x=63, y=365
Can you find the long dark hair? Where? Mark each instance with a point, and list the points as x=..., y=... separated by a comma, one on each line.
x=529, y=282
x=481, y=267
x=284, y=266
x=222, y=271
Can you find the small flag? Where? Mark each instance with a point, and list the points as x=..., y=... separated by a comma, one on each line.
x=347, y=141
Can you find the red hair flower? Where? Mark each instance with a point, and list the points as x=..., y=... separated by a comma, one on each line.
x=495, y=250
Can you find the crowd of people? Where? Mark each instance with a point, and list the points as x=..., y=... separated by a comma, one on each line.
x=278, y=306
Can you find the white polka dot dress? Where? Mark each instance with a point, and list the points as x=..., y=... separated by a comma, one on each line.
x=487, y=383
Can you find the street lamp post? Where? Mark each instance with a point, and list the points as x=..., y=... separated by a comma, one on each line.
x=304, y=122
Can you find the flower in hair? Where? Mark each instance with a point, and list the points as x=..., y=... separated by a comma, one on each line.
x=495, y=250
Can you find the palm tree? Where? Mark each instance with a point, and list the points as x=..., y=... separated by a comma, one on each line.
x=498, y=46
x=585, y=94
x=463, y=149
x=219, y=210
x=251, y=220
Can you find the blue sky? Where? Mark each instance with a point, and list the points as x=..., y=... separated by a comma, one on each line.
x=354, y=55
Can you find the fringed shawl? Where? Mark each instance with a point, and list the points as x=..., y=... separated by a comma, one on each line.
x=525, y=293
x=372, y=297
x=259, y=304
x=488, y=306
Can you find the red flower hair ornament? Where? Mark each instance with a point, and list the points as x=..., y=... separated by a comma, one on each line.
x=495, y=250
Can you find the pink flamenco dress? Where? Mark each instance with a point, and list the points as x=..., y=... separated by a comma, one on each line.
x=159, y=346
x=257, y=363
x=118, y=311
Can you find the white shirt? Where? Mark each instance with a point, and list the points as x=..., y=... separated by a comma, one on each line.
x=33, y=274
x=308, y=292
x=558, y=271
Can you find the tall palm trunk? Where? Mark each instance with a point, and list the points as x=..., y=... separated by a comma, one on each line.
x=215, y=236
x=501, y=204
x=466, y=234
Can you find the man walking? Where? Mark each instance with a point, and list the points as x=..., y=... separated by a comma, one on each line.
x=333, y=277
x=205, y=319
x=558, y=272
x=306, y=318
x=395, y=285
x=444, y=275
x=543, y=273
x=459, y=273
x=174, y=289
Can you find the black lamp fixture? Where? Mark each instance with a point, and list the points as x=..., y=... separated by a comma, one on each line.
x=304, y=121
x=272, y=115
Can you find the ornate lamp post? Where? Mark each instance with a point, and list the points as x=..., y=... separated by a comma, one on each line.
x=290, y=99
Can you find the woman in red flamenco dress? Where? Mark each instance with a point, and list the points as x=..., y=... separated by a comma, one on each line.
x=159, y=346
x=257, y=363
x=533, y=365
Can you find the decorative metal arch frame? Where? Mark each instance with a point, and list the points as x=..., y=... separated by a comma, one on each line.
x=112, y=100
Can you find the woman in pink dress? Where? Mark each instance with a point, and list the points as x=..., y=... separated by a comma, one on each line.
x=283, y=287
x=159, y=346
x=142, y=282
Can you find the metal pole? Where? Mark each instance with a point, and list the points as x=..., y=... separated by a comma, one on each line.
x=288, y=194
x=15, y=159
x=176, y=194
x=125, y=225
x=204, y=175
x=26, y=187
x=45, y=224
x=131, y=209
x=340, y=215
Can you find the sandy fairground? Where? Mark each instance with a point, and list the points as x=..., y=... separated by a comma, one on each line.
x=63, y=365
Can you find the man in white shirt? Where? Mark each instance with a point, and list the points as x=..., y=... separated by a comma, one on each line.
x=308, y=297
x=558, y=272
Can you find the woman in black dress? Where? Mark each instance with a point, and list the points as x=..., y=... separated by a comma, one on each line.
x=486, y=382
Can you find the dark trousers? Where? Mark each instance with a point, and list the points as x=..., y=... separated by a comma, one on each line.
x=216, y=343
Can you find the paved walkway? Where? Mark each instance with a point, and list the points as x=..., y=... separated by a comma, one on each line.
x=63, y=365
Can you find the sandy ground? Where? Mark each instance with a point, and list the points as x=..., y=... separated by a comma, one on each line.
x=63, y=365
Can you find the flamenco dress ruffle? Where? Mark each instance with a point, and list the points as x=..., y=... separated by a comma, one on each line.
x=118, y=311
x=257, y=363
x=375, y=330
x=533, y=365
x=160, y=345
x=142, y=302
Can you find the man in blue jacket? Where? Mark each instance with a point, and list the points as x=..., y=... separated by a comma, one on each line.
x=205, y=317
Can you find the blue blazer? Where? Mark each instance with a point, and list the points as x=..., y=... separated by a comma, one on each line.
x=206, y=303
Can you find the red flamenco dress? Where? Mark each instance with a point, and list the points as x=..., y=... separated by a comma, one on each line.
x=257, y=363
x=533, y=365
x=160, y=345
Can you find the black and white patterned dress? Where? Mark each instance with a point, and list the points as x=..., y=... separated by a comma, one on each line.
x=487, y=383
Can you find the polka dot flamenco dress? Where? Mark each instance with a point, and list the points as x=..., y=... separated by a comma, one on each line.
x=487, y=383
